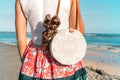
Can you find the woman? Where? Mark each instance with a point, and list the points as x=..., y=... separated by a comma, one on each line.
x=38, y=64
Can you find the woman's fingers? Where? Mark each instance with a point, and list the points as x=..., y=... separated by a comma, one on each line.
x=27, y=40
x=71, y=30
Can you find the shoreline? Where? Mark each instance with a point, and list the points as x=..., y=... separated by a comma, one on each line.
x=89, y=45
x=97, y=57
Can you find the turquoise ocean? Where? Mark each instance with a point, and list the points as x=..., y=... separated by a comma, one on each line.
x=91, y=38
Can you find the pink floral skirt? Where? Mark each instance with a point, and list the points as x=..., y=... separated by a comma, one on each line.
x=40, y=65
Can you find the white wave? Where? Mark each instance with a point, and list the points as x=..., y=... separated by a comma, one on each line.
x=90, y=35
x=8, y=43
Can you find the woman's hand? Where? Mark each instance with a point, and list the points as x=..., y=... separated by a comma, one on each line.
x=28, y=40
x=71, y=30
x=20, y=22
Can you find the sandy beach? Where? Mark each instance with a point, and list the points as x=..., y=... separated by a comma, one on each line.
x=9, y=62
x=102, y=62
x=106, y=58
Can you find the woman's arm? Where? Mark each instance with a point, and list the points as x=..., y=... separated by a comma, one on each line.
x=80, y=25
x=20, y=22
x=75, y=17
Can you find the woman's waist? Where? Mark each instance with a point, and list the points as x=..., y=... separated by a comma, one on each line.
x=36, y=41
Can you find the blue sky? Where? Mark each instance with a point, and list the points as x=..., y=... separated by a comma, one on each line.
x=99, y=16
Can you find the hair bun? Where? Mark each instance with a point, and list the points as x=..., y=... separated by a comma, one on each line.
x=51, y=25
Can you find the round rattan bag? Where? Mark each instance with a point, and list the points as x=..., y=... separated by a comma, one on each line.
x=68, y=48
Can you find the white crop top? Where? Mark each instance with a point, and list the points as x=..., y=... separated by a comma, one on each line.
x=35, y=11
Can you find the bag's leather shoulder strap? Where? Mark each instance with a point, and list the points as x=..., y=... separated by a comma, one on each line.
x=77, y=16
x=58, y=8
x=72, y=17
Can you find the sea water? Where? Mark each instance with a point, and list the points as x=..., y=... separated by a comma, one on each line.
x=91, y=38
x=103, y=39
x=10, y=37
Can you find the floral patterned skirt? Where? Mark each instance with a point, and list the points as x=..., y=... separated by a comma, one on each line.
x=40, y=65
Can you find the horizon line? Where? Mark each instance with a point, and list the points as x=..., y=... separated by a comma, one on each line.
x=85, y=32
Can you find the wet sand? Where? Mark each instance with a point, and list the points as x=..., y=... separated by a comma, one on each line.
x=9, y=62
x=105, y=58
